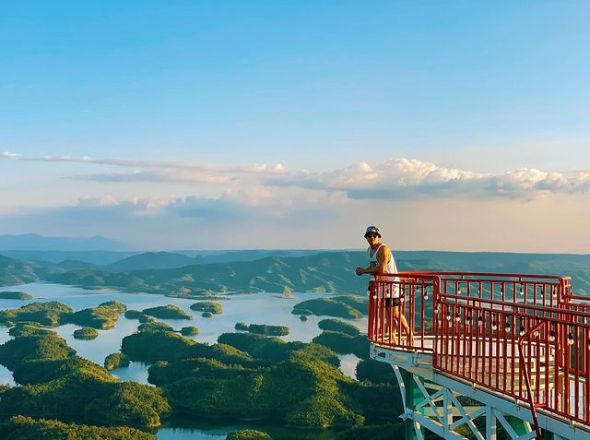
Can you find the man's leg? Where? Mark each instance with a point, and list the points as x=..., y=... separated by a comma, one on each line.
x=404, y=325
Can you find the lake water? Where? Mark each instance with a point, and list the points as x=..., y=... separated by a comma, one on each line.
x=261, y=308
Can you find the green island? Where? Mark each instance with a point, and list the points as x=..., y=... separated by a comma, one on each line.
x=86, y=333
x=208, y=306
x=54, y=313
x=104, y=316
x=189, y=331
x=56, y=383
x=207, y=315
x=256, y=377
x=116, y=360
x=132, y=314
x=169, y=311
x=146, y=318
x=336, y=325
x=155, y=326
x=24, y=328
x=242, y=376
x=349, y=307
x=248, y=434
x=343, y=343
x=263, y=329
x=48, y=313
x=242, y=326
x=27, y=428
x=15, y=295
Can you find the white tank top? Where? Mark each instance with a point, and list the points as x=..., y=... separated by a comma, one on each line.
x=373, y=262
x=391, y=268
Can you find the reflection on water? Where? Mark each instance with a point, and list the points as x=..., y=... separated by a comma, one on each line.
x=261, y=308
x=186, y=429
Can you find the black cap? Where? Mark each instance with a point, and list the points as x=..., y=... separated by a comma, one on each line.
x=372, y=230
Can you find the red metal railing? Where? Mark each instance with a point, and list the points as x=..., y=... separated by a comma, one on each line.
x=524, y=336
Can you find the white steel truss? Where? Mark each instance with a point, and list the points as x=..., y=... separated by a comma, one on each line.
x=441, y=412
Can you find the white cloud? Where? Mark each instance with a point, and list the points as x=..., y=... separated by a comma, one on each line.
x=9, y=155
x=393, y=179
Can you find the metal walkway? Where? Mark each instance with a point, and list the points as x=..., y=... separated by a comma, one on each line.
x=484, y=353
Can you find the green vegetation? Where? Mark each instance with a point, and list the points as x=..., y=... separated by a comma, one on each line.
x=288, y=270
x=48, y=313
x=85, y=333
x=374, y=371
x=132, y=314
x=335, y=325
x=349, y=307
x=116, y=360
x=146, y=318
x=53, y=313
x=57, y=383
x=104, y=316
x=155, y=326
x=248, y=434
x=268, y=330
x=246, y=375
x=26, y=428
x=24, y=328
x=189, y=331
x=169, y=311
x=342, y=343
x=207, y=315
x=13, y=272
x=374, y=432
x=324, y=272
x=242, y=326
x=208, y=306
x=263, y=329
x=300, y=390
x=302, y=312
x=303, y=318
x=155, y=346
x=15, y=295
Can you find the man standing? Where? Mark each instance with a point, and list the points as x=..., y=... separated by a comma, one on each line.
x=381, y=262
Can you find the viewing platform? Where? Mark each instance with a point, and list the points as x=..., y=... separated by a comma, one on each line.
x=485, y=353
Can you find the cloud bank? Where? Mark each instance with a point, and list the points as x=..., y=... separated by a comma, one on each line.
x=389, y=180
x=420, y=204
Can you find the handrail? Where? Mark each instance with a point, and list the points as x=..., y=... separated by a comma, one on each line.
x=474, y=332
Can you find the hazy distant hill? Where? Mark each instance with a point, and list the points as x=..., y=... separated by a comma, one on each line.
x=326, y=271
x=107, y=259
x=151, y=260
x=323, y=271
x=92, y=257
x=30, y=242
x=13, y=272
x=246, y=255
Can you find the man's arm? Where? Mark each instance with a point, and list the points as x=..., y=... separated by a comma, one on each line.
x=362, y=270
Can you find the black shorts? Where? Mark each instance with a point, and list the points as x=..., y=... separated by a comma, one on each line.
x=392, y=302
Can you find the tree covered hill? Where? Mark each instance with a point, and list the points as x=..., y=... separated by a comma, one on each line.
x=151, y=260
x=320, y=272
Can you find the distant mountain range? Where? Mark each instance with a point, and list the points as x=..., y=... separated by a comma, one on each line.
x=109, y=260
x=320, y=271
x=35, y=242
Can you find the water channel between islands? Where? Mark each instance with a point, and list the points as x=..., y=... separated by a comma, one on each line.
x=260, y=308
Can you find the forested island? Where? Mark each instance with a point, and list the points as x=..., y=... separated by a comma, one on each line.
x=15, y=295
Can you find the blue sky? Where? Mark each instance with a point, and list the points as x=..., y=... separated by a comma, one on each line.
x=186, y=109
